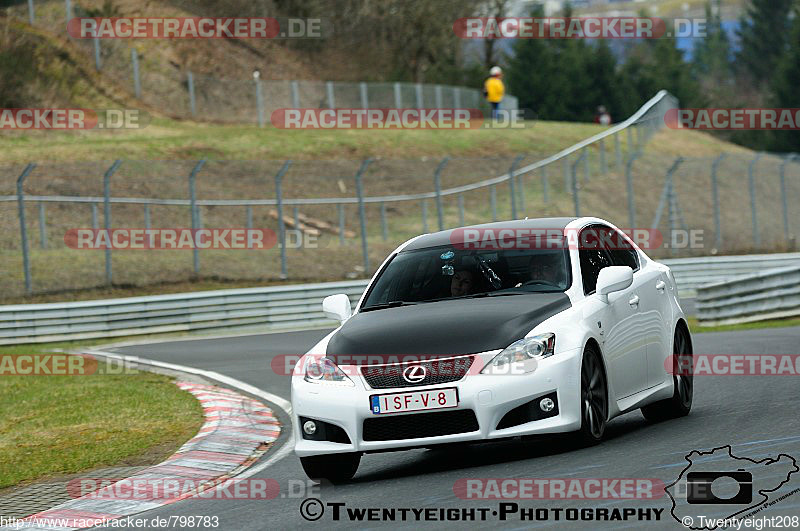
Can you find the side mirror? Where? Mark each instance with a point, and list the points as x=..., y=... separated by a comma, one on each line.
x=337, y=307
x=614, y=278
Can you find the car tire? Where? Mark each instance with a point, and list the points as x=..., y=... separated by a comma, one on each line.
x=594, y=398
x=336, y=468
x=680, y=403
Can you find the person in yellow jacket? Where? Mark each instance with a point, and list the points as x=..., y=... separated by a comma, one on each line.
x=494, y=90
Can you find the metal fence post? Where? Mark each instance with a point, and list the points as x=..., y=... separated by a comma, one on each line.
x=461, y=210
x=31, y=14
x=68, y=6
x=437, y=182
x=107, y=215
x=42, y=227
x=665, y=193
x=565, y=164
x=329, y=91
x=512, y=188
x=384, y=225
x=544, y=184
x=629, y=186
x=789, y=158
x=437, y=94
x=618, y=152
x=575, y=199
x=195, y=219
x=281, y=226
x=457, y=97
x=364, y=96
x=398, y=97
x=340, y=208
x=147, y=216
x=418, y=94
x=259, y=102
x=603, y=165
x=249, y=217
x=671, y=214
x=26, y=263
x=295, y=88
x=715, y=202
x=424, y=216
x=192, y=102
x=585, y=157
x=493, y=201
x=95, y=224
x=751, y=179
x=362, y=215
x=519, y=184
x=97, y=64
x=296, y=217
x=630, y=138
x=137, y=84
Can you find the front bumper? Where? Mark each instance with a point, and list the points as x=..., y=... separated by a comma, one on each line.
x=490, y=397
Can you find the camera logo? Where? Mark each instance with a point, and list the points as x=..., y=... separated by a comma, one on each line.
x=716, y=485
x=699, y=487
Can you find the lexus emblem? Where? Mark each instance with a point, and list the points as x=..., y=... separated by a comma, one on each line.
x=415, y=374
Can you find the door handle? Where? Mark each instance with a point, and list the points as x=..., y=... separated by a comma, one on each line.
x=634, y=301
x=661, y=286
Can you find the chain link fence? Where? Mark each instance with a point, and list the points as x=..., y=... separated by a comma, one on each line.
x=176, y=91
x=338, y=219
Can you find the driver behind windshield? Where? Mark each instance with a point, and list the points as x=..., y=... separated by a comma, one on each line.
x=547, y=269
x=462, y=283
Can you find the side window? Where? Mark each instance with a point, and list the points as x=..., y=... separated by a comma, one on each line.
x=593, y=257
x=621, y=251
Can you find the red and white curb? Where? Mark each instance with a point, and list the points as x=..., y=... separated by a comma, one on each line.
x=237, y=431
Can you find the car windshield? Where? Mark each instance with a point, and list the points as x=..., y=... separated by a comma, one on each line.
x=446, y=272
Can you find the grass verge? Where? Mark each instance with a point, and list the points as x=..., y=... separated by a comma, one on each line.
x=695, y=327
x=55, y=425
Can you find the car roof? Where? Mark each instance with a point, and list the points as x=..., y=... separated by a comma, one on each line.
x=445, y=237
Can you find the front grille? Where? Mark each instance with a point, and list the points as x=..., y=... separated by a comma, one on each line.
x=436, y=372
x=419, y=425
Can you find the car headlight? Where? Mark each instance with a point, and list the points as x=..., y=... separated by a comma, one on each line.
x=324, y=370
x=522, y=355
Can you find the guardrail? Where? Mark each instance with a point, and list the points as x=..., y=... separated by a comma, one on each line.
x=772, y=294
x=276, y=308
x=270, y=308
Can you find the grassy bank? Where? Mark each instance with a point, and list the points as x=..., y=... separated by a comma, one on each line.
x=55, y=425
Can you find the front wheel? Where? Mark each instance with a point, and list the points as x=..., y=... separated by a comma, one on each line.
x=680, y=403
x=594, y=398
x=336, y=468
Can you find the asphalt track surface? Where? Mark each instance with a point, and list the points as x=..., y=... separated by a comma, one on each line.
x=757, y=415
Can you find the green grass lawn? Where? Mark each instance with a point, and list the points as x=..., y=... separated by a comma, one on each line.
x=55, y=425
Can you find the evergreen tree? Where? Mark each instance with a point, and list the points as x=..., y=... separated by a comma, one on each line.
x=763, y=33
x=712, y=59
x=784, y=89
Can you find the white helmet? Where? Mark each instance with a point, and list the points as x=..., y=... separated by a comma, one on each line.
x=496, y=71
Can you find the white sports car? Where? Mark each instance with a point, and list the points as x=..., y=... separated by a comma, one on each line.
x=493, y=331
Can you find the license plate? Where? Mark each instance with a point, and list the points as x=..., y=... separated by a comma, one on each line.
x=414, y=401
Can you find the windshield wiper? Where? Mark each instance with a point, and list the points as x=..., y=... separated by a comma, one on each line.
x=382, y=306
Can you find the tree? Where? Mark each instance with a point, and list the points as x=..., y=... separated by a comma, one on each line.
x=711, y=60
x=784, y=89
x=763, y=33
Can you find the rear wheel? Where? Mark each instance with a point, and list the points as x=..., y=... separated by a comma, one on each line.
x=594, y=398
x=680, y=403
x=336, y=468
